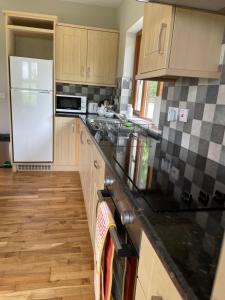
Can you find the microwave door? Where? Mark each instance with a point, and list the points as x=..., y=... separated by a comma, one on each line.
x=68, y=104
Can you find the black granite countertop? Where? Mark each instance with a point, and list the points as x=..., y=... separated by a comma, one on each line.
x=188, y=243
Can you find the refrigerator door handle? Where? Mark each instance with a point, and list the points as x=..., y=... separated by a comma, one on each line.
x=31, y=91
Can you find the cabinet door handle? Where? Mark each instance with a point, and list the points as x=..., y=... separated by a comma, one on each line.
x=97, y=165
x=82, y=71
x=73, y=127
x=81, y=137
x=162, y=37
x=88, y=72
x=89, y=142
x=156, y=298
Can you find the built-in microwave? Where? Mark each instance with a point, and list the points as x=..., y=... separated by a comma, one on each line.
x=71, y=104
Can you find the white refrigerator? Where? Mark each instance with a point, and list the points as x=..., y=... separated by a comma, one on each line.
x=32, y=109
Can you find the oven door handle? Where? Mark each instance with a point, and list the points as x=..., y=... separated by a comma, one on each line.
x=122, y=250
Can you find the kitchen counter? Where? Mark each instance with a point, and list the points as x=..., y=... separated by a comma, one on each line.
x=188, y=243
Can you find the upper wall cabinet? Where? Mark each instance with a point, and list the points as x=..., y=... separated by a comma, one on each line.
x=102, y=57
x=180, y=42
x=71, y=50
x=86, y=55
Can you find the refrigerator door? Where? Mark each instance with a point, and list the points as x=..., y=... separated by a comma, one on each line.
x=32, y=125
x=30, y=73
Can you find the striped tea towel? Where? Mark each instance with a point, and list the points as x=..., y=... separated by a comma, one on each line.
x=104, y=222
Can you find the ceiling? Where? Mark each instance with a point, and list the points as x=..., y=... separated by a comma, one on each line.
x=104, y=3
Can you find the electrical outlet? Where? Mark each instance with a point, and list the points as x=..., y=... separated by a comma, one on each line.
x=183, y=116
x=166, y=165
x=172, y=114
x=174, y=174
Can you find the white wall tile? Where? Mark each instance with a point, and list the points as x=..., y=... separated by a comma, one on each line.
x=196, y=127
x=192, y=94
x=209, y=111
x=214, y=151
x=185, y=140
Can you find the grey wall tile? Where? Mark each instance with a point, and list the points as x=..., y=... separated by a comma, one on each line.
x=212, y=94
x=201, y=93
x=217, y=133
x=206, y=131
x=219, y=117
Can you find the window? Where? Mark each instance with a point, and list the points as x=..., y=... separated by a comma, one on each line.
x=144, y=92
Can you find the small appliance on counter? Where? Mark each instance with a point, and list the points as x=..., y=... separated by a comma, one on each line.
x=71, y=104
x=92, y=108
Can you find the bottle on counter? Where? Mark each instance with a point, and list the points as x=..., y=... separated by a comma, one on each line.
x=129, y=111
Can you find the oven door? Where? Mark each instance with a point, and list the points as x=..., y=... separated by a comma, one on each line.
x=68, y=103
x=125, y=258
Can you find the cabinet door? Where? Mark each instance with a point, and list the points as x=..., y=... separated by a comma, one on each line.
x=156, y=37
x=155, y=283
x=161, y=286
x=82, y=155
x=139, y=292
x=98, y=175
x=102, y=57
x=65, y=141
x=71, y=52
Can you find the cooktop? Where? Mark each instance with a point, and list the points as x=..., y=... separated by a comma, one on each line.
x=159, y=171
x=164, y=180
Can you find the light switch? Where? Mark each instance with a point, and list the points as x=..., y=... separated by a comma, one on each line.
x=172, y=114
x=183, y=116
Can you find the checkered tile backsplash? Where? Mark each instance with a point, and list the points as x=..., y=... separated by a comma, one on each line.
x=198, y=146
x=93, y=93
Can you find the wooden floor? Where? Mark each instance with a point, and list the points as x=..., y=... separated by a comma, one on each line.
x=45, y=247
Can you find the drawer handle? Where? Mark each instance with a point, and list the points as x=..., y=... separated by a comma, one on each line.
x=156, y=298
x=162, y=38
x=89, y=142
x=97, y=165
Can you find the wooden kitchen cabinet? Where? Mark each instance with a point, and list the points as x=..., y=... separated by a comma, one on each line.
x=85, y=55
x=180, y=42
x=92, y=173
x=66, y=145
x=154, y=281
x=71, y=51
x=98, y=176
x=102, y=57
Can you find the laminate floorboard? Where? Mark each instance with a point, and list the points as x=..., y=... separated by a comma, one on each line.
x=45, y=246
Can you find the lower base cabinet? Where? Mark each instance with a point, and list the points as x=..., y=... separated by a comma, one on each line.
x=154, y=282
x=92, y=173
x=66, y=146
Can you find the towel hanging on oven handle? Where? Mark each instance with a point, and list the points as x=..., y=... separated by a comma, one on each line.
x=122, y=250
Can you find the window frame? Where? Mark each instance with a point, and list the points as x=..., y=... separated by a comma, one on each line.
x=146, y=83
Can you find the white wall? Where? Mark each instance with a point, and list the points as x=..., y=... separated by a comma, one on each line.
x=67, y=12
x=129, y=14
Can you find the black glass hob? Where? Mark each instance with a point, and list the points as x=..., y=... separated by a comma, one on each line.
x=164, y=181
x=168, y=177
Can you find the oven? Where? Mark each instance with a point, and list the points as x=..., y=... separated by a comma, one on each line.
x=71, y=104
x=125, y=258
x=126, y=238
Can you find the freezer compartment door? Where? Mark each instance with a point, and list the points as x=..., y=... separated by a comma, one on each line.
x=30, y=73
x=32, y=125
